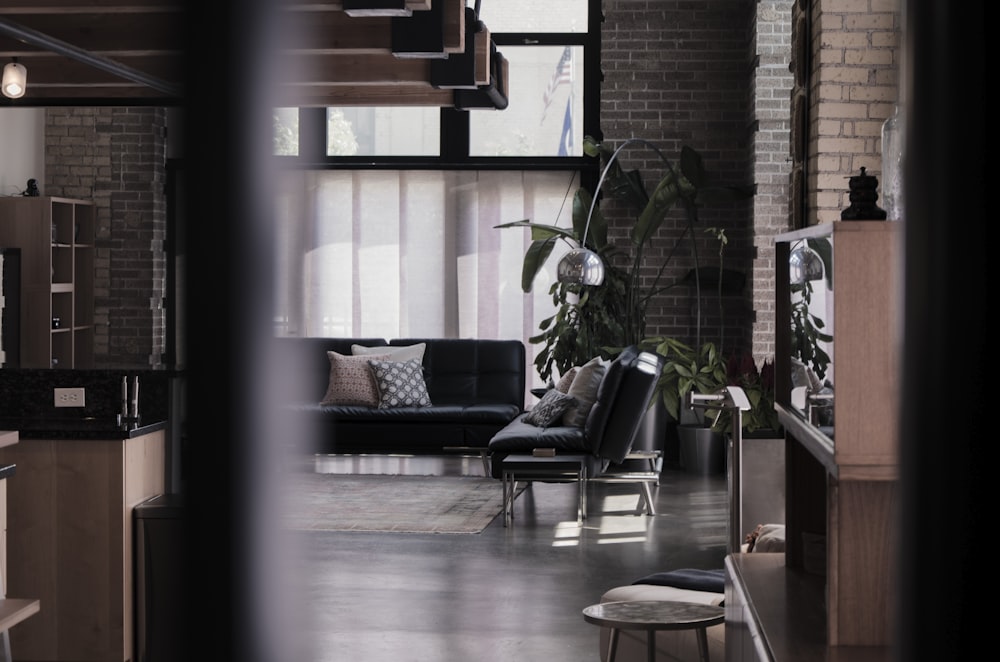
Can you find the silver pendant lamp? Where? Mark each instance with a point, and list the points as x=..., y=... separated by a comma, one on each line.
x=583, y=266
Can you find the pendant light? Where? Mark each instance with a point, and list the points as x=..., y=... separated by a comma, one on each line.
x=15, y=79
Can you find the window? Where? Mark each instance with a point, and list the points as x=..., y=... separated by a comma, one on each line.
x=386, y=221
x=549, y=50
x=545, y=113
x=413, y=253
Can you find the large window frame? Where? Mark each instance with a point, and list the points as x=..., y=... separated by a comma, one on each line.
x=454, y=136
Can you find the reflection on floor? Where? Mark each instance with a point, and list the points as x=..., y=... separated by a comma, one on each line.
x=508, y=593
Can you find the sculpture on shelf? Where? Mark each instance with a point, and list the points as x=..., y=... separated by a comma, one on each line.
x=32, y=190
x=863, y=197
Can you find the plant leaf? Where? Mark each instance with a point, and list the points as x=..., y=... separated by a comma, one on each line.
x=652, y=215
x=538, y=252
x=692, y=166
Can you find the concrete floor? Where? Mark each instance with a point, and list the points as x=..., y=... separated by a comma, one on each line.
x=508, y=593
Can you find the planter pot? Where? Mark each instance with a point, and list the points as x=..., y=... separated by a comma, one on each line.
x=763, y=479
x=702, y=450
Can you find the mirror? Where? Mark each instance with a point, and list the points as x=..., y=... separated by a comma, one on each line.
x=810, y=286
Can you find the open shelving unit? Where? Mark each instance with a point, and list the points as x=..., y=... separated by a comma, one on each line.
x=56, y=238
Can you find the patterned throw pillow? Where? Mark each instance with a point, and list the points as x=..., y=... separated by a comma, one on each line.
x=550, y=408
x=400, y=383
x=351, y=381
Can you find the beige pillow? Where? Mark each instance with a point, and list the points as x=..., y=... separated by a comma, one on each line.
x=566, y=380
x=584, y=389
x=351, y=380
x=394, y=352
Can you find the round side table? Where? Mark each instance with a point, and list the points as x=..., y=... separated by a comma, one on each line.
x=653, y=615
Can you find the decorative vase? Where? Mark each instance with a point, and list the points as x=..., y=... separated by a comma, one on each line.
x=893, y=138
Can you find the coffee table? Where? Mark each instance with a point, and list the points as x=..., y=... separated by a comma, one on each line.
x=653, y=615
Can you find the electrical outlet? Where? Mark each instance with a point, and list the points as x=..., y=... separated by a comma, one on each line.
x=70, y=397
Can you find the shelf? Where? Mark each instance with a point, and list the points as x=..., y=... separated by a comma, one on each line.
x=55, y=237
x=788, y=611
x=811, y=438
x=15, y=610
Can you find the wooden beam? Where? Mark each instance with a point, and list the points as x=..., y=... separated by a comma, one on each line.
x=377, y=69
x=313, y=96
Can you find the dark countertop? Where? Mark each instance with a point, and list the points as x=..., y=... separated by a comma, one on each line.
x=77, y=428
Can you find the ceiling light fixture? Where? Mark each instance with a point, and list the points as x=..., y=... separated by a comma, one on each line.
x=15, y=79
x=583, y=266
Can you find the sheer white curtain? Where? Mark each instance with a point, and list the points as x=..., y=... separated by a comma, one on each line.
x=396, y=254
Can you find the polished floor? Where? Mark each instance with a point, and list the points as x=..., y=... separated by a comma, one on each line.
x=506, y=594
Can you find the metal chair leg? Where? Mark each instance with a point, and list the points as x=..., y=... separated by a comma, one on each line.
x=647, y=496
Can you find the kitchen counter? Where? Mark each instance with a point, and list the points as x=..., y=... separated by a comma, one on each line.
x=70, y=531
x=78, y=428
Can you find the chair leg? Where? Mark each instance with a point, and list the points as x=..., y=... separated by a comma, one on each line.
x=508, y=505
x=647, y=496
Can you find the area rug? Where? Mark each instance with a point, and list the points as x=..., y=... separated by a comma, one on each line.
x=398, y=504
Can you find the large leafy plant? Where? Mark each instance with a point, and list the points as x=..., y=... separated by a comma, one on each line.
x=596, y=320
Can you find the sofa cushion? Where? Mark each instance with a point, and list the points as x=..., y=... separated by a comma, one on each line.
x=584, y=389
x=518, y=436
x=351, y=381
x=550, y=408
x=597, y=420
x=472, y=371
x=400, y=383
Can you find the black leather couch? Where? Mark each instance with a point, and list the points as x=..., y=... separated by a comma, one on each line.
x=476, y=387
x=612, y=424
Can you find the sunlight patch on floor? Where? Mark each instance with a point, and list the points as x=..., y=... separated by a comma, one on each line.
x=567, y=534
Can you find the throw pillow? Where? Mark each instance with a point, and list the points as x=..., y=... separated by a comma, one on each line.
x=550, y=408
x=584, y=389
x=691, y=579
x=400, y=383
x=767, y=538
x=351, y=381
x=395, y=353
x=566, y=381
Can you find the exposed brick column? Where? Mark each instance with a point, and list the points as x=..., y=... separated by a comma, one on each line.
x=116, y=157
x=853, y=90
x=772, y=83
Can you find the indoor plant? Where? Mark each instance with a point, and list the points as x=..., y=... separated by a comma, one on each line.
x=593, y=320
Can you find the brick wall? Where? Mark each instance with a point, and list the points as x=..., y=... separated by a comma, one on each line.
x=116, y=157
x=676, y=73
x=771, y=108
x=853, y=89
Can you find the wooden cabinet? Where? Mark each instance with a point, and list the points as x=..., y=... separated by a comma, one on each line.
x=830, y=595
x=70, y=542
x=56, y=238
x=13, y=610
